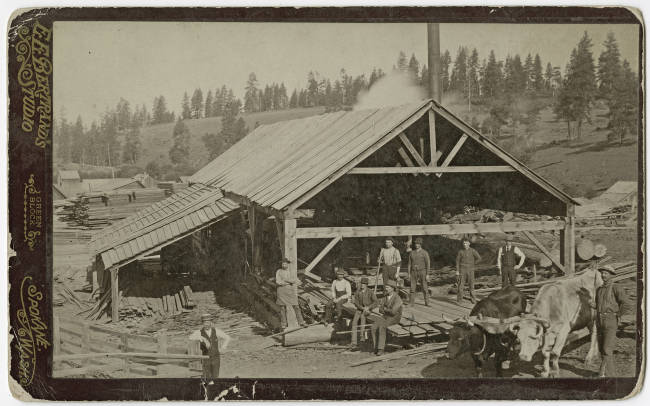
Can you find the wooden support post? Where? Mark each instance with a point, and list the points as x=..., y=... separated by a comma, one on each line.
x=320, y=256
x=115, y=295
x=279, y=228
x=194, y=348
x=432, y=139
x=125, y=348
x=568, y=241
x=453, y=152
x=85, y=341
x=56, y=335
x=410, y=148
x=291, y=246
x=163, y=343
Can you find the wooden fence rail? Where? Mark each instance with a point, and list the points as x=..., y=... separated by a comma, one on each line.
x=94, y=346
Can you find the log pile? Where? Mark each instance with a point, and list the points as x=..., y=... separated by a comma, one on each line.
x=96, y=210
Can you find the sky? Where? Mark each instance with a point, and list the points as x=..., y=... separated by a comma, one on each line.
x=96, y=63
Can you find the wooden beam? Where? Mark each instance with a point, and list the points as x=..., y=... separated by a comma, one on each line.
x=432, y=139
x=405, y=157
x=430, y=169
x=435, y=229
x=115, y=295
x=279, y=225
x=322, y=254
x=568, y=241
x=291, y=246
x=411, y=149
x=452, y=154
x=244, y=201
x=544, y=251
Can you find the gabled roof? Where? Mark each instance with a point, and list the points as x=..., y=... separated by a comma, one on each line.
x=106, y=185
x=161, y=224
x=277, y=164
x=69, y=175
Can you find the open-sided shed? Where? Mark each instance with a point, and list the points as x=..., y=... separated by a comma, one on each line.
x=370, y=173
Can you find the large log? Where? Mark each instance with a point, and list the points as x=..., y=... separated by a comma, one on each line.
x=313, y=334
x=545, y=261
x=585, y=249
x=600, y=250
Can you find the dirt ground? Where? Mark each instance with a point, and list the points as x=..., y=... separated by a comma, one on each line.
x=252, y=354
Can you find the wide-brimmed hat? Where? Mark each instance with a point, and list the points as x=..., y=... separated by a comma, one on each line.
x=510, y=238
x=607, y=268
x=418, y=240
x=391, y=283
x=285, y=261
x=364, y=281
x=341, y=272
x=206, y=316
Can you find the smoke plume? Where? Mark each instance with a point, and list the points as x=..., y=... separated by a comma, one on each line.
x=394, y=89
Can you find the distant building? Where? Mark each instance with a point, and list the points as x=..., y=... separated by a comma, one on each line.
x=621, y=193
x=68, y=181
x=107, y=185
x=57, y=193
x=146, y=180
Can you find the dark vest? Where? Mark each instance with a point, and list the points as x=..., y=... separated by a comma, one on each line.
x=508, y=258
x=214, y=343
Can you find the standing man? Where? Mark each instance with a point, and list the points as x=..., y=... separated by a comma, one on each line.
x=612, y=302
x=507, y=262
x=390, y=261
x=391, y=312
x=287, y=293
x=418, y=268
x=364, y=300
x=341, y=293
x=465, y=264
x=212, y=340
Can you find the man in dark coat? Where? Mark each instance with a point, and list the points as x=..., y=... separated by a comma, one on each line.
x=391, y=310
x=419, y=264
x=364, y=300
x=612, y=302
x=212, y=340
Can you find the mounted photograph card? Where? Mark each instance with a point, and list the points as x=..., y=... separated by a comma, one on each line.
x=357, y=203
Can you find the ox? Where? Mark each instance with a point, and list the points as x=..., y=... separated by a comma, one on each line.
x=482, y=342
x=559, y=308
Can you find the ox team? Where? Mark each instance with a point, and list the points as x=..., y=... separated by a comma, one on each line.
x=589, y=300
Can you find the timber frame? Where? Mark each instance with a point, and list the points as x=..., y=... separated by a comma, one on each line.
x=287, y=213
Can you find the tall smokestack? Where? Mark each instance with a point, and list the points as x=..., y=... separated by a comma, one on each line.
x=433, y=36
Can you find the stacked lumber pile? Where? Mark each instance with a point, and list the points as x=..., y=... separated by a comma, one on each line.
x=135, y=307
x=172, y=187
x=474, y=215
x=96, y=210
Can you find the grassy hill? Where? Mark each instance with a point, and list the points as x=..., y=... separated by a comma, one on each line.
x=157, y=139
x=582, y=167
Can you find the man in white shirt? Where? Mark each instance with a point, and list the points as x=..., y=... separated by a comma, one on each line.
x=507, y=262
x=390, y=261
x=341, y=292
x=213, y=341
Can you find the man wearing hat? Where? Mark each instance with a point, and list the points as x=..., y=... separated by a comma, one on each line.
x=465, y=264
x=612, y=302
x=390, y=308
x=507, y=262
x=418, y=268
x=390, y=261
x=364, y=300
x=212, y=341
x=341, y=292
x=287, y=293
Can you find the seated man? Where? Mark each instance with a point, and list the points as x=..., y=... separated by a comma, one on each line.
x=364, y=300
x=341, y=292
x=391, y=310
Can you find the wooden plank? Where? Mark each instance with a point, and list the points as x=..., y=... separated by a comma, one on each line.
x=85, y=340
x=405, y=157
x=322, y=254
x=179, y=305
x=71, y=331
x=115, y=296
x=452, y=154
x=436, y=229
x=56, y=335
x=544, y=251
x=291, y=246
x=568, y=243
x=410, y=148
x=433, y=148
x=97, y=345
x=439, y=169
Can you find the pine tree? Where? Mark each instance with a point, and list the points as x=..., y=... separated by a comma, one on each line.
x=528, y=73
x=402, y=62
x=77, y=138
x=179, y=153
x=458, y=81
x=537, y=76
x=548, y=77
x=445, y=61
x=424, y=78
x=414, y=67
x=609, y=67
x=186, y=112
x=196, y=104
x=493, y=77
x=214, y=144
x=132, y=144
x=208, y=104
x=293, y=101
x=63, y=140
x=251, y=98
x=624, y=107
x=123, y=114
x=472, y=76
